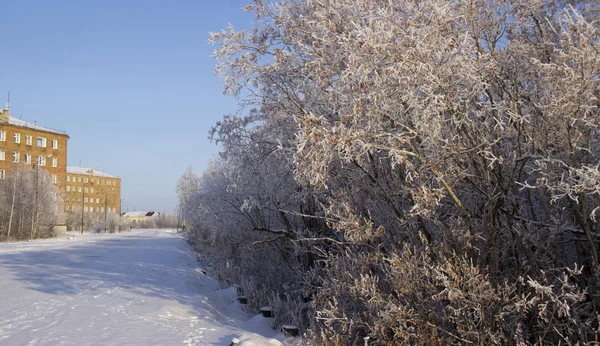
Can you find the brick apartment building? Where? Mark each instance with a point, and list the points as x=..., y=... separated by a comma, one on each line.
x=37, y=147
x=92, y=190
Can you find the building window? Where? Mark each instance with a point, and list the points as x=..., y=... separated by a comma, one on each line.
x=2, y=136
x=85, y=180
x=41, y=142
x=79, y=189
x=28, y=159
x=102, y=182
x=92, y=190
x=54, y=162
x=68, y=188
x=85, y=189
x=54, y=179
x=54, y=144
x=17, y=138
x=68, y=178
x=41, y=160
x=16, y=157
x=79, y=179
x=28, y=140
x=86, y=209
x=97, y=200
x=2, y=155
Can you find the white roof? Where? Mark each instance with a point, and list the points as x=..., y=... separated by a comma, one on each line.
x=21, y=123
x=140, y=214
x=88, y=171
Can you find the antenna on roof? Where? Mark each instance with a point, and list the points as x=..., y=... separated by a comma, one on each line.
x=8, y=101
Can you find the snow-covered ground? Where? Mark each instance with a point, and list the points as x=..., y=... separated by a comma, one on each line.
x=135, y=288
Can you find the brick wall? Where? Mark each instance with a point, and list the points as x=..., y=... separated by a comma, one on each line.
x=101, y=191
x=9, y=146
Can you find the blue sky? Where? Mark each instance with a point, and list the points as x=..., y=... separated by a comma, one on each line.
x=131, y=82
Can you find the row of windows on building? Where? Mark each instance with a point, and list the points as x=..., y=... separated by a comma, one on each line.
x=40, y=141
x=91, y=200
x=93, y=181
x=86, y=190
x=53, y=177
x=16, y=158
x=92, y=209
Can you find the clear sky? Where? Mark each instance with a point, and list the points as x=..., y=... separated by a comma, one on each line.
x=130, y=81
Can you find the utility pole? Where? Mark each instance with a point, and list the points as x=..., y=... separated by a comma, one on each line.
x=35, y=205
x=82, y=205
x=105, y=210
x=120, y=212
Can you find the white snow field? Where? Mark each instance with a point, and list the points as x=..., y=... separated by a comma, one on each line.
x=135, y=288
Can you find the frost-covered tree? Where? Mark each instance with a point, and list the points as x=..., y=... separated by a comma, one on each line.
x=437, y=163
x=30, y=205
x=187, y=186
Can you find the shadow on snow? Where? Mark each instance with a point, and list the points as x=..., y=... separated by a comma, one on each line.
x=162, y=267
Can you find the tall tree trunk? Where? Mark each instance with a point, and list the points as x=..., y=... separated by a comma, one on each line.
x=20, y=227
x=12, y=204
x=35, y=206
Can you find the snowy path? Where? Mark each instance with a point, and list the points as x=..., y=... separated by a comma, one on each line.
x=136, y=288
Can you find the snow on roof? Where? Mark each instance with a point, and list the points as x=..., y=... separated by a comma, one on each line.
x=140, y=213
x=21, y=123
x=88, y=171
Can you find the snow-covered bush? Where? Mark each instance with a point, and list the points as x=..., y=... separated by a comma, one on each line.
x=97, y=222
x=426, y=170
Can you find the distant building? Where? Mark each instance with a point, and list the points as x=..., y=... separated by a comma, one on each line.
x=140, y=215
x=30, y=145
x=93, y=191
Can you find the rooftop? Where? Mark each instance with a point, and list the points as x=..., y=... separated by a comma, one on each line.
x=21, y=123
x=140, y=214
x=88, y=171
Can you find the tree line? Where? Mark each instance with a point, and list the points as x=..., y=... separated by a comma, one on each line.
x=31, y=206
x=410, y=172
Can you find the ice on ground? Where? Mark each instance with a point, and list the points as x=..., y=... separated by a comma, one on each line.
x=135, y=288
